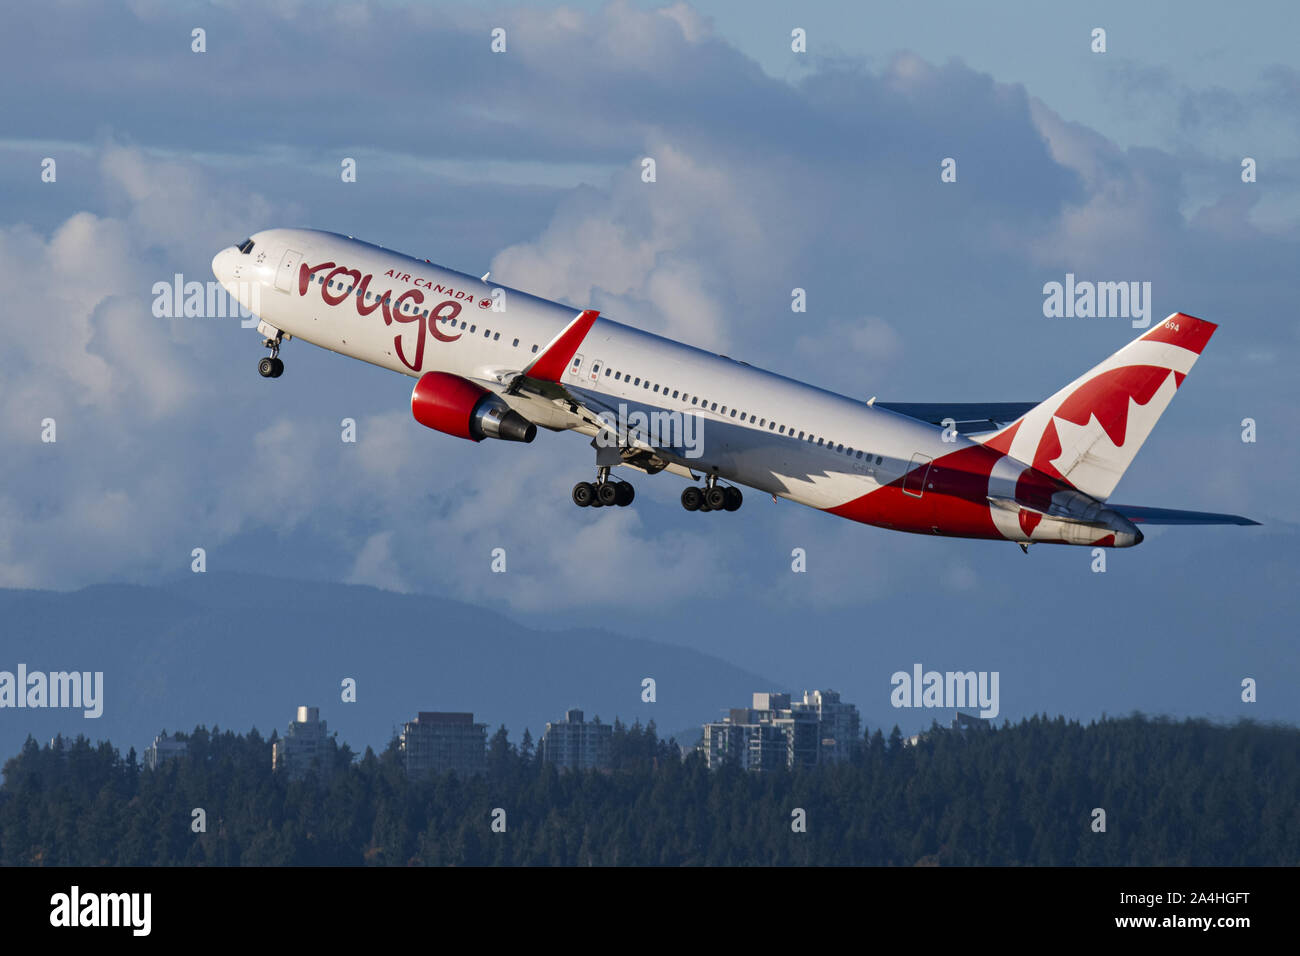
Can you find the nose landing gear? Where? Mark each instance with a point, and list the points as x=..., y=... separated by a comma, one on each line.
x=271, y=366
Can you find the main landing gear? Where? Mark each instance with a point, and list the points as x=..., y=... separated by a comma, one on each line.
x=604, y=492
x=712, y=497
x=271, y=366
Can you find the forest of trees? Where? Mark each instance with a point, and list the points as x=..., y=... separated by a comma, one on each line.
x=1174, y=793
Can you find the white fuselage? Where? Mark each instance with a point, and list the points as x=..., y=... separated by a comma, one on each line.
x=759, y=429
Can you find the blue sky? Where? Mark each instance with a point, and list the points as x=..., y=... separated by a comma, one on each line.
x=775, y=171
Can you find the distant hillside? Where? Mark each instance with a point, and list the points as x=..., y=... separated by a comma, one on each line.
x=242, y=651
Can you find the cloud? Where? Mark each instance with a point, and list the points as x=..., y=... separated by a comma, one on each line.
x=168, y=441
x=376, y=566
x=870, y=339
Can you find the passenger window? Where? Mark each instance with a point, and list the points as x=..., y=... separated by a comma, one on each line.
x=714, y=407
x=618, y=376
x=695, y=400
x=534, y=349
x=656, y=388
x=516, y=345
x=637, y=381
x=674, y=393
x=471, y=329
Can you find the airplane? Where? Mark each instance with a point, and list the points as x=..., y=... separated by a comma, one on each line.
x=494, y=362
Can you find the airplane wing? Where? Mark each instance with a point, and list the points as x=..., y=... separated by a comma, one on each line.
x=969, y=416
x=1141, y=515
x=554, y=405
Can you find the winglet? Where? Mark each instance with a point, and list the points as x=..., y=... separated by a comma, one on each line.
x=555, y=358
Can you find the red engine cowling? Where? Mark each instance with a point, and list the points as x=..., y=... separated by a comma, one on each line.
x=456, y=406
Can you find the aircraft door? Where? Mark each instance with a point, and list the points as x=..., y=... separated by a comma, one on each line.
x=917, y=472
x=288, y=270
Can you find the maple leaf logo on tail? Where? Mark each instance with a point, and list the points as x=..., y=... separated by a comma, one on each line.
x=1089, y=432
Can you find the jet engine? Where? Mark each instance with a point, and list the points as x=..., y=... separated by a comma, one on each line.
x=456, y=406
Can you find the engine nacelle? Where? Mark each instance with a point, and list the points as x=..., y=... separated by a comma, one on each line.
x=456, y=406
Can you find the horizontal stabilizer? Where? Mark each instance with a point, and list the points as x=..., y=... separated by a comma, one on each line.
x=1140, y=515
x=969, y=416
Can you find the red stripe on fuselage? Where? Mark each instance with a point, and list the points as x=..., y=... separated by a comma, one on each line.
x=955, y=499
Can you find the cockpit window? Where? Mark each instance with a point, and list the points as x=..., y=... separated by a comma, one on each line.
x=246, y=246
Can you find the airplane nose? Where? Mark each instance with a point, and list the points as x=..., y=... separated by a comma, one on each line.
x=222, y=264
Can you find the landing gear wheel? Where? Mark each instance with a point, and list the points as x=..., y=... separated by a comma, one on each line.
x=266, y=367
x=692, y=499
x=734, y=499
x=625, y=494
x=278, y=367
x=607, y=493
x=584, y=494
x=715, y=498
